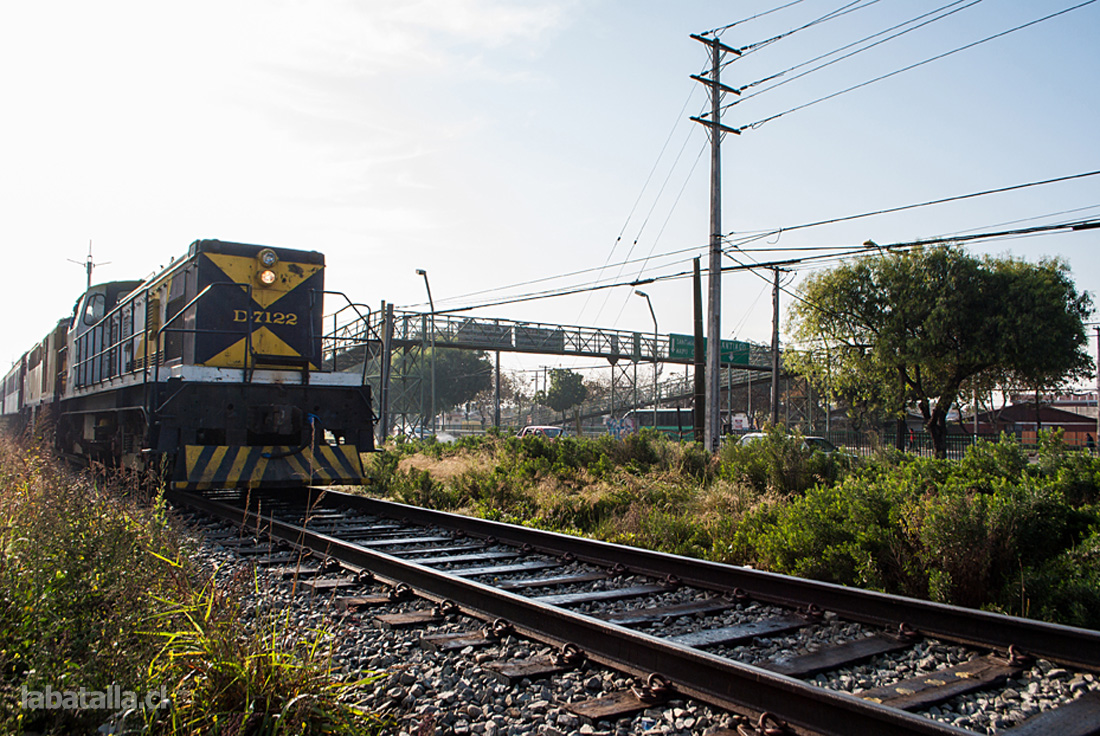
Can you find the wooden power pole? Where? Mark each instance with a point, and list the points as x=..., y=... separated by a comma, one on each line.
x=712, y=430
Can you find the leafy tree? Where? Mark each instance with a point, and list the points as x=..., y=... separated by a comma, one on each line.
x=916, y=327
x=459, y=375
x=566, y=390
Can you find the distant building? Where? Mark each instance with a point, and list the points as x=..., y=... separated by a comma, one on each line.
x=1078, y=402
x=1022, y=420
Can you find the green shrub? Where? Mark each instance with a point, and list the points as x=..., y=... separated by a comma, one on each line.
x=974, y=531
x=1065, y=588
x=418, y=488
x=845, y=534
x=780, y=462
x=1072, y=471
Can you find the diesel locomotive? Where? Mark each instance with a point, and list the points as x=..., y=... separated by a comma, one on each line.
x=215, y=371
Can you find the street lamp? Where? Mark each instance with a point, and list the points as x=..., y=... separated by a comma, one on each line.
x=654, y=315
x=431, y=303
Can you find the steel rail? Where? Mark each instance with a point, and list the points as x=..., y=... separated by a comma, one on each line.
x=721, y=682
x=1067, y=645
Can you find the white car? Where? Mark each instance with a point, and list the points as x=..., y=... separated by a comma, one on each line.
x=550, y=433
x=811, y=443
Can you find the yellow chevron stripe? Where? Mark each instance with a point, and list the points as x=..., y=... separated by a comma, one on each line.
x=296, y=465
x=257, y=478
x=222, y=466
x=210, y=472
x=322, y=470
x=331, y=460
x=242, y=456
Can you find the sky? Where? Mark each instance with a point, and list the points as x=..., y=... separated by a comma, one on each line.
x=509, y=147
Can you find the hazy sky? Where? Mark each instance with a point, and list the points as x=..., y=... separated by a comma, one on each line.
x=499, y=142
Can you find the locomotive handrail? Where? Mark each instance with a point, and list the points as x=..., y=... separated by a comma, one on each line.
x=154, y=410
x=183, y=311
x=97, y=366
x=353, y=339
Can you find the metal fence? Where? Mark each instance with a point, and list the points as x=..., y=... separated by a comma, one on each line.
x=920, y=443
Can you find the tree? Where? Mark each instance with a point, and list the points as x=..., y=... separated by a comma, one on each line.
x=916, y=327
x=459, y=375
x=566, y=390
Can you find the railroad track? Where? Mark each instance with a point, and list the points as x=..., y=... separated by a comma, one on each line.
x=791, y=656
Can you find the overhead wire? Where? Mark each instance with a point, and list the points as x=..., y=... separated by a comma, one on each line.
x=745, y=238
x=940, y=241
x=832, y=15
x=932, y=202
x=786, y=262
x=1032, y=219
x=763, y=121
x=752, y=48
x=645, y=261
x=664, y=184
x=850, y=7
x=779, y=75
x=721, y=29
x=645, y=185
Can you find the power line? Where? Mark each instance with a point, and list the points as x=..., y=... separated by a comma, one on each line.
x=675, y=202
x=721, y=29
x=866, y=248
x=833, y=15
x=779, y=231
x=929, y=203
x=870, y=246
x=645, y=185
x=780, y=74
x=650, y=255
x=762, y=121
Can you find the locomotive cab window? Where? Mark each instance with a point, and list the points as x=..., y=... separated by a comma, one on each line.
x=95, y=308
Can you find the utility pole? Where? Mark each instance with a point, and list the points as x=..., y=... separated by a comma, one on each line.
x=496, y=397
x=700, y=390
x=712, y=429
x=775, y=346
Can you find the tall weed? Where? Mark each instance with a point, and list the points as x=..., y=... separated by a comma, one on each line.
x=87, y=575
x=235, y=671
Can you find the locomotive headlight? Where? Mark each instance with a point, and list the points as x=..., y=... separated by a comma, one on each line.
x=267, y=277
x=268, y=258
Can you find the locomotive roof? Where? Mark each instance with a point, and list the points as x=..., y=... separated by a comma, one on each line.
x=244, y=249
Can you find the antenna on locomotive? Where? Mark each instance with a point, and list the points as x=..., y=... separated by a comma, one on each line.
x=89, y=264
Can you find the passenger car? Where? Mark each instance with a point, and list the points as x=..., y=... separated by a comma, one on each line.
x=550, y=433
x=810, y=443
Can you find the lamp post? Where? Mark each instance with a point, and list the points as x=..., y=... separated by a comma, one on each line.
x=431, y=303
x=654, y=315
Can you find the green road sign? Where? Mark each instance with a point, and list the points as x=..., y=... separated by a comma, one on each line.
x=730, y=351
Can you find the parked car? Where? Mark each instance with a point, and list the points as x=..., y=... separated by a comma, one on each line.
x=810, y=443
x=550, y=433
